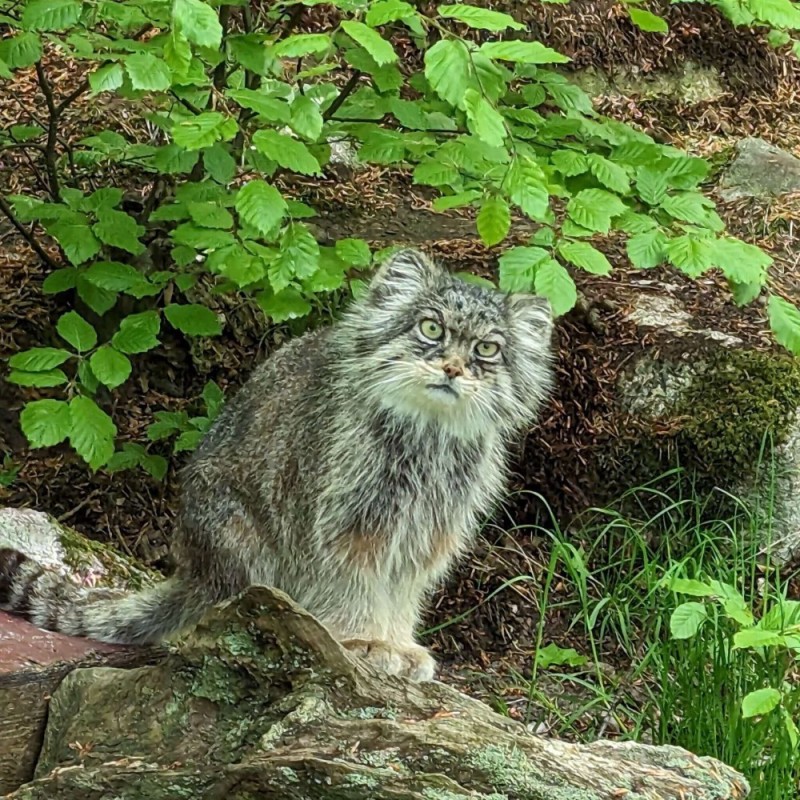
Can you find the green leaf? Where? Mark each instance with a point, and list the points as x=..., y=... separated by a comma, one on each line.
x=385, y=11
x=187, y=441
x=692, y=207
x=270, y=108
x=448, y=70
x=555, y=656
x=744, y=293
x=45, y=422
x=689, y=586
x=73, y=328
x=50, y=377
x=111, y=367
x=174, y=160
x=303, y=44
x=527, y=188
x=760, y=702
x=434, y=172
x=755, y=637
x=633, y=222
x=210, y=215
x=75, y=236
x=494, y=220
x=51, y=15
x=647, y=250
x=518, y=268
x=119, y=230
x=91, y=432
x=569, y=162
x=583, y=255
x=298, y=256
x=784, y=319
x=691, y=254
x=39, y=359
x=483, y=119
x=651, y=184
x=480, y=18
x=458, y=200
x=611, y=175
x=198, y=22
x=99, y=300
x=177, y=54
x=116, y=277
x=138, y=333
x=204, y=130
x=647, y=21
x=306, y=118
x=355, y=252
x=219, y=163
x=686, y=620
x=553, y=282
x=22, y=50
x=193, y=319
x=261, y=206
x=741, y=262
x=167, y=423
x=285, y=305
x=523, y=52
x=380, y=49
x=213, y=397
x=286, y=151
x=593, y=209
x=106, y=79
x=148, y=73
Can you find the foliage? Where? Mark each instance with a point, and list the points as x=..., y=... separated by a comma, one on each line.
x=671, y=654
x=239, y=97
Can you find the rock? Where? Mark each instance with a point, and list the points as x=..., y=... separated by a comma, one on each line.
x=260, y=701
x=33, y=661
x=760, y=170
x=713, y=400
x=45, y=540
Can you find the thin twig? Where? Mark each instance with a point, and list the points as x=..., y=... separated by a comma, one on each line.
x=26, y=234
x=346, y=91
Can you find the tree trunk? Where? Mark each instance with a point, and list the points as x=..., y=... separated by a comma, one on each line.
x=259, y=701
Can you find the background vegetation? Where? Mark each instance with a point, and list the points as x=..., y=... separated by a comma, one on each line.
x=233, y=110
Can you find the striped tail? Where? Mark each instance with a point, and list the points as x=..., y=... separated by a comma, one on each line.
x=54, y=602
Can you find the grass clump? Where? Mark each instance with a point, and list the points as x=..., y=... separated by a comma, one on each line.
x=680, y=632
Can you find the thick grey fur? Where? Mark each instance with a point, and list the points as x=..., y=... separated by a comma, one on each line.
x=350, y=471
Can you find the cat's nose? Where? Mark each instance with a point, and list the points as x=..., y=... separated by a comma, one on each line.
x=453, y=368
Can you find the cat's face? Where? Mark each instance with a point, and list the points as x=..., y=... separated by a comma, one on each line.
x=438, y=348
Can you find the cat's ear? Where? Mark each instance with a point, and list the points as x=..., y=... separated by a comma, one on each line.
x=533, y=313
x=403, y=275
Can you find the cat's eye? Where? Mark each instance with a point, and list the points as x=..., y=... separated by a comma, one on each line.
x=431, y=329
x=487, y=349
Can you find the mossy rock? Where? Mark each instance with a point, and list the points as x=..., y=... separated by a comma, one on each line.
x=46, y=540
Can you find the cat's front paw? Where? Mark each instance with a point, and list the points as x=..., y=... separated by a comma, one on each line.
x=411, y=661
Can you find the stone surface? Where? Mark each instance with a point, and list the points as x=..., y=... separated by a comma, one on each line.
x=43, y=539
x=760, y=170
x=718, y=400
x=260, y=701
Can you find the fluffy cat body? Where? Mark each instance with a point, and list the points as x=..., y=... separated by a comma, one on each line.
x=350, y=470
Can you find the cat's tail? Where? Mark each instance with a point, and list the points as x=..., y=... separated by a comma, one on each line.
x=55, y=602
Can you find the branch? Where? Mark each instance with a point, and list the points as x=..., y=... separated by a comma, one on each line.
x=26, y=234
x=347, y=90
x=52, y=133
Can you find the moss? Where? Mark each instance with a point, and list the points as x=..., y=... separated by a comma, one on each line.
x=372, y=712
x=510, y=770
x=742, y=397
x=288, y=774
x=119, y=571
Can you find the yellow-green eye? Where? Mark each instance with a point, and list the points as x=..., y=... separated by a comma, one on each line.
x=487, y=349
x=431, y=329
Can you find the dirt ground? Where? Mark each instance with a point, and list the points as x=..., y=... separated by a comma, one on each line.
x=496, y=629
